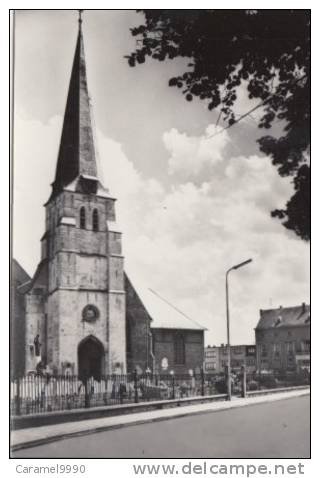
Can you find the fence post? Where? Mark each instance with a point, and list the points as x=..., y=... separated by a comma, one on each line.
x=86, y=395
x=135, y=378
x=244, y=382
x=173, y=388
x=17, y=397
x=202, y=382
x=121, y=390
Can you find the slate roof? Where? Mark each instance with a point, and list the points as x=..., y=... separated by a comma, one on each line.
x=40, y=277
x=284, y=317
x=77, y=152
x=19, y=275
x=164, y=315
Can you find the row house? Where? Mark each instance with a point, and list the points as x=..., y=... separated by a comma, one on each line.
x=216, y=358
x=283, y=339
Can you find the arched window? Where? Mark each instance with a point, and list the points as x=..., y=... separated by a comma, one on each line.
x=82, y=218
x=95, y=220
x=179, y=349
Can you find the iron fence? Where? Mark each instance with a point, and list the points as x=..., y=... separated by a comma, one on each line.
x=39, y=394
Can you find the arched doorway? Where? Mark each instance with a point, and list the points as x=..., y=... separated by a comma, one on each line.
x=90, y=358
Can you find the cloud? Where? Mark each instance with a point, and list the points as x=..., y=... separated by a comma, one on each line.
x=179, y=238
x=34, y=159
x=189, y=154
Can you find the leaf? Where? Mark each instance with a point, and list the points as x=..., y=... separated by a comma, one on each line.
x=173, y=82
x=131, y=61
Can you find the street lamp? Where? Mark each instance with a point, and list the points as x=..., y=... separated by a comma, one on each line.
x=228, y=323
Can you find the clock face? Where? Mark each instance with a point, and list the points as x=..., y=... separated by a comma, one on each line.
x=90, y=313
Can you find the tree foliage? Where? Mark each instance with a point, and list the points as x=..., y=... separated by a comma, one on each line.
x=268, y=52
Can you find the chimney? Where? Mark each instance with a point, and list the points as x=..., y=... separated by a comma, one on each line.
x=303, y=307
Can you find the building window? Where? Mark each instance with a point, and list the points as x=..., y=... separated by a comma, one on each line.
x=263, y=350
x=276, y=350
x=210, y=366
x=304, y=346
x=82, y=218
x=290, y=348
x=95, y=220
x=179, y=350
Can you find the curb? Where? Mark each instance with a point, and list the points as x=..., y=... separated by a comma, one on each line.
x=232, y=405
x=53, y=418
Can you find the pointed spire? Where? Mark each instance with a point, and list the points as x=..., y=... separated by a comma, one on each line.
x=80, y=17
x=77, y=153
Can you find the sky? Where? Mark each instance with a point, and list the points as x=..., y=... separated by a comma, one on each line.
x=190, y=205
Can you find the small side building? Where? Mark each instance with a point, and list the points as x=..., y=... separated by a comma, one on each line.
x=283, y=339
x=160, y=337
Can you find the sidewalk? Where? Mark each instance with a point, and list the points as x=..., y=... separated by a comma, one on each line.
x=29, y=437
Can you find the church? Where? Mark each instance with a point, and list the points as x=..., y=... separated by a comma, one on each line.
x=80, y=312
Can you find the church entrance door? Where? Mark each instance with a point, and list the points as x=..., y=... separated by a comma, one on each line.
x=90, y=358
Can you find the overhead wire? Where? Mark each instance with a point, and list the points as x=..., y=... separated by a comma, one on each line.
x=248, y=113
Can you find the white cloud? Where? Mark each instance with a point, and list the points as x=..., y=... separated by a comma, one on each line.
x=34, y=159
x=180, y=239
x=189, y=154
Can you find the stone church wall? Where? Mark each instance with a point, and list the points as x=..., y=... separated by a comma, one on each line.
x=67, y=328
x=17, y=321
x=34, y=325
x=117, y=332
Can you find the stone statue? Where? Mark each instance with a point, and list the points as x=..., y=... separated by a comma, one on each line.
x=37, y=345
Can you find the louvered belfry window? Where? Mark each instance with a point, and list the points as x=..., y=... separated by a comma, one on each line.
x=95, y=220
x=82, y=218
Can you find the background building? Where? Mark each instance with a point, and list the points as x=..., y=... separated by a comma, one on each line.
x=283, y=339
x=216, y=358
x=211, y=359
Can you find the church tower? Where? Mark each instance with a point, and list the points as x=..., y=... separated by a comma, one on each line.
x=75, y=308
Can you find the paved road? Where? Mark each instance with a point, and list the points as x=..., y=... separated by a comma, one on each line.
x=278, y=429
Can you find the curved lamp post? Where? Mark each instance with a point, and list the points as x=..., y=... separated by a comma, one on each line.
x=228, y=323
